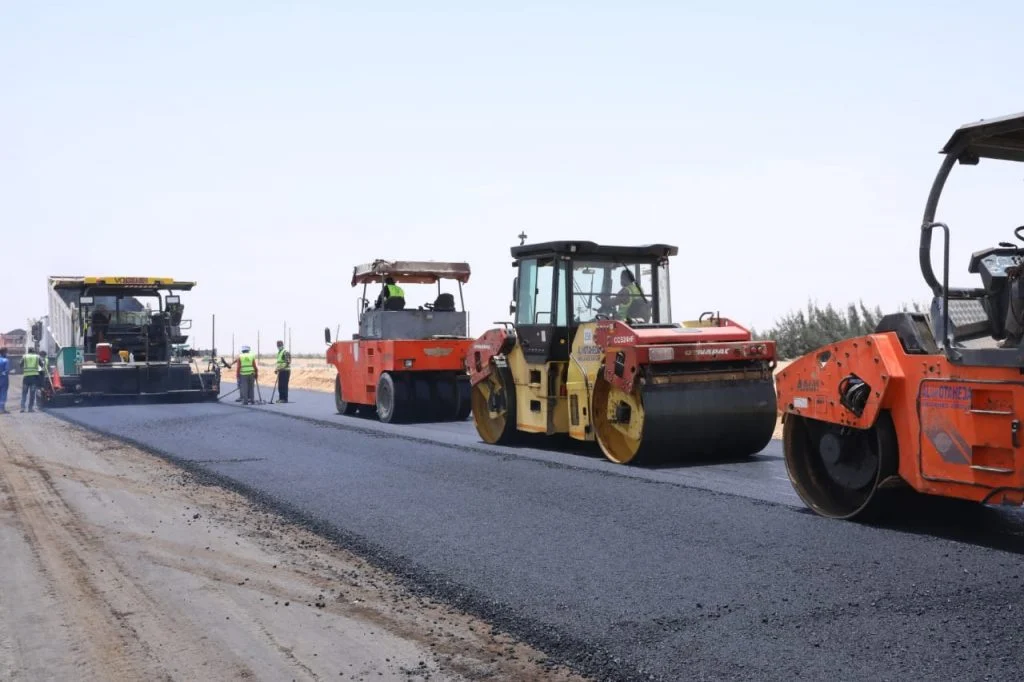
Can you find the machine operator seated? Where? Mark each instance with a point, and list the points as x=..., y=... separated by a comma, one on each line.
x=391, y=296
x=629, y=302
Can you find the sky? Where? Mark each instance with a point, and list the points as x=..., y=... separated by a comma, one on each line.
x=263, y=149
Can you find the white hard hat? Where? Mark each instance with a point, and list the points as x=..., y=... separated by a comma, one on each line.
x=245, y=349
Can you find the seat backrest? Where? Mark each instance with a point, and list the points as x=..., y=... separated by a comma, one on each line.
x=445, y=303
x=394, y=303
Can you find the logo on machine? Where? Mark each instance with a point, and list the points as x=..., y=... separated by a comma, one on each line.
x=703, y=352
x=129, y=280
x=939, y=395
x=623, y=339
x=809, y=385
x=437, y=352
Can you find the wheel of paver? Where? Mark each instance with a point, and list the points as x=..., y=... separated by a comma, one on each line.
x=342, y=406
x=837, y=472
x=494, y=407
x=392, y=399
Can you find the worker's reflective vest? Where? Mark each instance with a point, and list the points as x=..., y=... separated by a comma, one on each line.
x=395, y=290
x=634, y=293
x=282, y=361
x=247, y=361
x=30, y=365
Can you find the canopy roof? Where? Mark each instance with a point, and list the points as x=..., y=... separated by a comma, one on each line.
x=994, y=138
x=585, y=248
x=414, y=272
x=113, y=282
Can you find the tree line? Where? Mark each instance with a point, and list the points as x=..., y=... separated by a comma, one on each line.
x=804, y=330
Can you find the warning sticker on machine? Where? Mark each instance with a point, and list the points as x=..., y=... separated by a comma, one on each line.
x=801, y=403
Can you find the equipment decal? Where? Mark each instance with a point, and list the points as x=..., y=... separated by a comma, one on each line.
x=950, y=397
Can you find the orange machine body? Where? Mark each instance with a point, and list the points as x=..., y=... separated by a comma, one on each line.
x=957, y=427
x=361, y=362
x=405, y=362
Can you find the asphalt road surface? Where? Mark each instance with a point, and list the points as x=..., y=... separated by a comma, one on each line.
x=702, y=572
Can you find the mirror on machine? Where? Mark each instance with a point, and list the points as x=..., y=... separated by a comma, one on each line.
x=327, y=335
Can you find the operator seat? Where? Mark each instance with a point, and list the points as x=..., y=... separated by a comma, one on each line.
x=444, y=303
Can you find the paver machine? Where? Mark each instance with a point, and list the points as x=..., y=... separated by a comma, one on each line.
x=593, y=353
x=932, y=402
x=118, y=339
x=405, y=364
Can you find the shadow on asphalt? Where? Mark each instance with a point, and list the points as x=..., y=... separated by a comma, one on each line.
x=992, y=527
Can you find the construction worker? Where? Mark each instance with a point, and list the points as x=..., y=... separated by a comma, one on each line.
x=5, y=370
x=283, y=371
x=30, y=379
x=630, y=299
x=390, y=290
x=248, y=374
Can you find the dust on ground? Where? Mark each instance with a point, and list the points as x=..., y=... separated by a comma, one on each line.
x=119, y=566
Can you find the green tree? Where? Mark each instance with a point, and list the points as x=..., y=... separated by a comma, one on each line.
x=804, y=330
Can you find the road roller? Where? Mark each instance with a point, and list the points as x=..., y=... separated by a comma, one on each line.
x=407, y=361
x=927, y=402
x=593, y=352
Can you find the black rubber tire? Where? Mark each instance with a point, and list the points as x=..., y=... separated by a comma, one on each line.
x=464, y=397
x=392, y=399
x=342, y=406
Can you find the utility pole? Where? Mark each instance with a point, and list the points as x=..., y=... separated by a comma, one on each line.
x=257, y=343
x=289, y=339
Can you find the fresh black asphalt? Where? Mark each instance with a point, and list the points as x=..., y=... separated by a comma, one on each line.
x=625, y=574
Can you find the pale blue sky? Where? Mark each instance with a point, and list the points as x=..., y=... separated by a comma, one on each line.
x=787, y=148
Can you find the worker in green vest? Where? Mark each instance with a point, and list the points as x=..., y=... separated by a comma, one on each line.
x=283, y=371
x=30, y=367
x=248, y=374
x=629, y=301
x=391, y=291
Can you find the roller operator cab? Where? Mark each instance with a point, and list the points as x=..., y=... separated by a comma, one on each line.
x=121, y=338
x=930, y=402
x=407, y=362
x=593, y=353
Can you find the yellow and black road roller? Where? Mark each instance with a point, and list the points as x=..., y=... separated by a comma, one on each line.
x=593, y=352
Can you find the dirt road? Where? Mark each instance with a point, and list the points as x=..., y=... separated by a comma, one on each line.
x=119, y=566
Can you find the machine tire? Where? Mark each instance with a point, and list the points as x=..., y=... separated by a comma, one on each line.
x=392, y=399
x=815, y=475
x=342, y=406
x=499, y=429
x=464, y=398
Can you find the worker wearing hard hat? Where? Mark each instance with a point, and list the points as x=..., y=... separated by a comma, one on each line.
x=283, y=371
x=5, y=380
x=248, y=373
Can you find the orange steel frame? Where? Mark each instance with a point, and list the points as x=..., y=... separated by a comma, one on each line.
x=361, y=362
x=956, y=426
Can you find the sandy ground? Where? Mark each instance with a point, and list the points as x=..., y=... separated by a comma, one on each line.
x=119, y=566
x=317, y=375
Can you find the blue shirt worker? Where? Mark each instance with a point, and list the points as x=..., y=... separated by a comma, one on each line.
x=5, y=380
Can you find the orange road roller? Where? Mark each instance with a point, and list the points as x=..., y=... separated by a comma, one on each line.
x=928, y=402
x=406, y=364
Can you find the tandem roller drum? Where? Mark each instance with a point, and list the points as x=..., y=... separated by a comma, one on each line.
x=676, y=422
